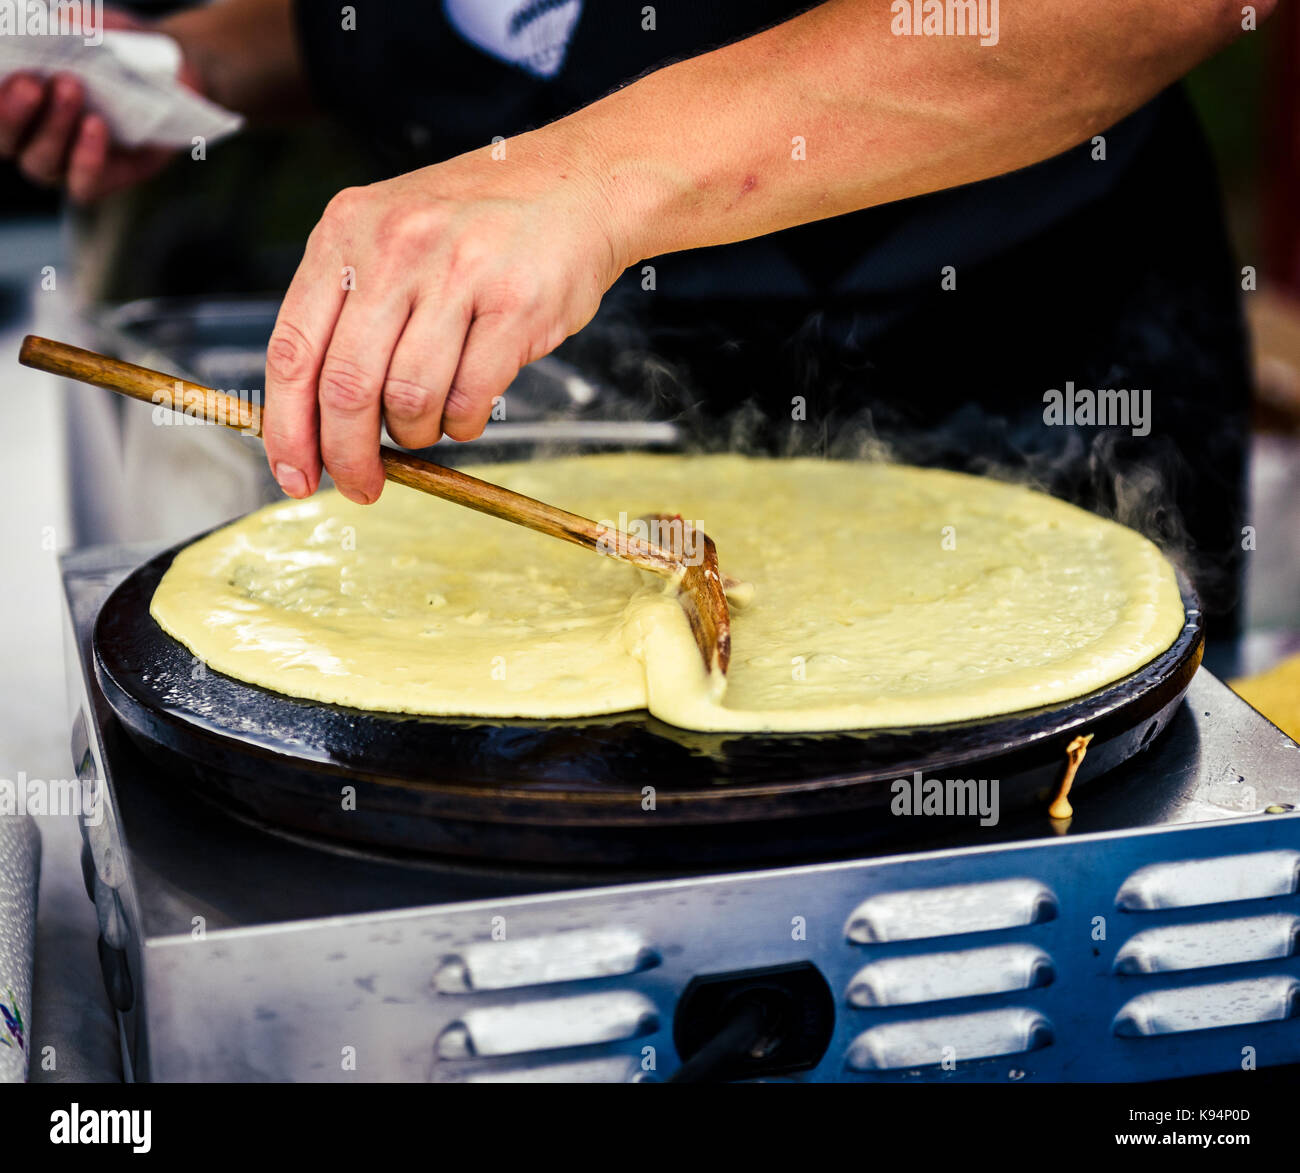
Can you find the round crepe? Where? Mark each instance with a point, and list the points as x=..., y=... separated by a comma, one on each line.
x=884, y=596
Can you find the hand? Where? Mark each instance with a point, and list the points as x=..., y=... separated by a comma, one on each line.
x=45, y=126
x=419, y=298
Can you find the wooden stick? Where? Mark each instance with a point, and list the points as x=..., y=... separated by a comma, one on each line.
x=708, y=607
x=219, y=407
x=141, y=383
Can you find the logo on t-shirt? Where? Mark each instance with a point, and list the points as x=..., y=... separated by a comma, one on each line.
x=532, y=34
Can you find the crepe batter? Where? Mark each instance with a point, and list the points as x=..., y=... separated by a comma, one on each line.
x=884, y=596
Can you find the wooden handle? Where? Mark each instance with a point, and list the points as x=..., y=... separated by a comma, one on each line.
x=452, y=485
x=192, y=399
x=141, y=383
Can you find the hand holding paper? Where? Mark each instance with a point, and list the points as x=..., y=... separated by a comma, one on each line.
x=100, y=117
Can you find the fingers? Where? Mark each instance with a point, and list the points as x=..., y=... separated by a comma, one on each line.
x=43, y=158
x=378, y=325
x=351, y=382
x=21, y=96
x=88, y=160
x=326, y=363
x=421, y=370
x=290, y=418
x=491, y=359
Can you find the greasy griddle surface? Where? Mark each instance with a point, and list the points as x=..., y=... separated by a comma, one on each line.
x=574, y=770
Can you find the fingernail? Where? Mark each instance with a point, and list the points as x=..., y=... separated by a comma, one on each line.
x=291, y=479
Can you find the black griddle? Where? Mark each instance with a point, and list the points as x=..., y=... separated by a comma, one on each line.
x=613, y=791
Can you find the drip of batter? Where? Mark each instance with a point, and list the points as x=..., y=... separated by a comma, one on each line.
x=885, y=596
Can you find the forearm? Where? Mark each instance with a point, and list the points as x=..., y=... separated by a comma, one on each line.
x=704, y=151
x=246, y=55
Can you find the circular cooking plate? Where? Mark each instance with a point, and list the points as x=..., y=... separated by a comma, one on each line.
x=619, y=789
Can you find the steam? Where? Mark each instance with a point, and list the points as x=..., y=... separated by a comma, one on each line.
x=1100, y=468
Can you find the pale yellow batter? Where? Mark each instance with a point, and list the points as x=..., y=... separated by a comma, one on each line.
x=884, y=596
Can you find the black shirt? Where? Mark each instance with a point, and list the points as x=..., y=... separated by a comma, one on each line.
x=406, y=77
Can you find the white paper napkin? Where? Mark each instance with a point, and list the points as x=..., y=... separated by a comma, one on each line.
x=20, y=856
x=131, y=80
